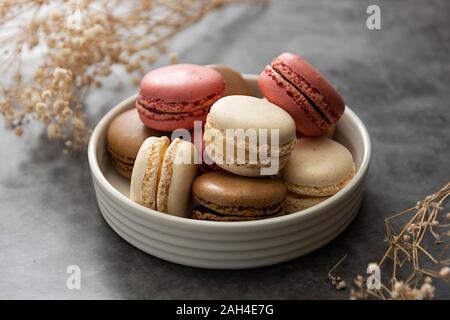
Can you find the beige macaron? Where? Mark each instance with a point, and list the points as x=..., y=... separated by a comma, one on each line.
x=234, y=82
x=163, y=174
x=317, y=169
x=329, y=133
x=266, y=141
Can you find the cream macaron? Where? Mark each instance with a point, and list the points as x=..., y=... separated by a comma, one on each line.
x=317, y=169
x=163, y=174
x=249, y=136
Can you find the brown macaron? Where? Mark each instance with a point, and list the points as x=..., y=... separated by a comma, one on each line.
x=234, y=82
x=126, y=133
x=223, y=196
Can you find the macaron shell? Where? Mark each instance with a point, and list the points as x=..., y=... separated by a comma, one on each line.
x=295, y=203
x=177, y=175
x=145, y=175
x=226, y=189
x=175, y=96
x=329, y=133
x=312, y=84
x=245, y=112
x=318, y=167
x=182, y=83
x=126, y=133
x=234, y=82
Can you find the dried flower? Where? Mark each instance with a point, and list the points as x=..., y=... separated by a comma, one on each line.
x=427, y=290
x=407, y=234
x=445, y=273
x=337, y=281
x=83, y=42
x=18, y=131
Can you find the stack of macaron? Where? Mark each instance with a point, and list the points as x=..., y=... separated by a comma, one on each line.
x=258, y=157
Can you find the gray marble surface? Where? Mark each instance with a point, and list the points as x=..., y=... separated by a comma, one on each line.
x=396, y=79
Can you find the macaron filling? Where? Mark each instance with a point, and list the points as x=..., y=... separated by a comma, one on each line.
x=158, y=105
x=242, y=210
x=325, y=190
x=158, y=115
x=120, y=158
x=124, y=169
x=203, y=213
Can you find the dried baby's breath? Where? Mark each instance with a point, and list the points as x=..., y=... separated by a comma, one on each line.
x=79, y=42
x=418, y=252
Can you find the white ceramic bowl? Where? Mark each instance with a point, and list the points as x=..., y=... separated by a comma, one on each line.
x=227, y=245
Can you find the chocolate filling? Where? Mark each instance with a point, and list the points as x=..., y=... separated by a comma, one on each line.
x=220, y=216
x=316, y=108
x=156, y=111
x=239, y=210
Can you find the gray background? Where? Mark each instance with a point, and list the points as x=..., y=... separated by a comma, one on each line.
x=396, y=79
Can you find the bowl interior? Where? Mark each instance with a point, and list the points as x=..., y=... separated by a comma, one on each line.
x=349, y=132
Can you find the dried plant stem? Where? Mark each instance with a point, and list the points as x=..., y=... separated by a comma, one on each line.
x=80, y=42
x=408, y=251
x=337, y=282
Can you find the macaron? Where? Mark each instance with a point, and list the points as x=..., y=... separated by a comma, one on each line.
x=234, y=82
x=295, y=85
x=249, y=136
x=124, y=137
x=175, y=96
x=222, y=196
x=329, y=133
x=318, y=168
x=163, y=174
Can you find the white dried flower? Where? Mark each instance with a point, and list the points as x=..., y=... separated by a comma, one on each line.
x=40, y=107
x=445, y=273
x=77, y=123
x=427, y=290
x=53, y=131
x=46, y=94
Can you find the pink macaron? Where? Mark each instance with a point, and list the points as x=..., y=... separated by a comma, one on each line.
x=293, y=84
x=175, y=96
